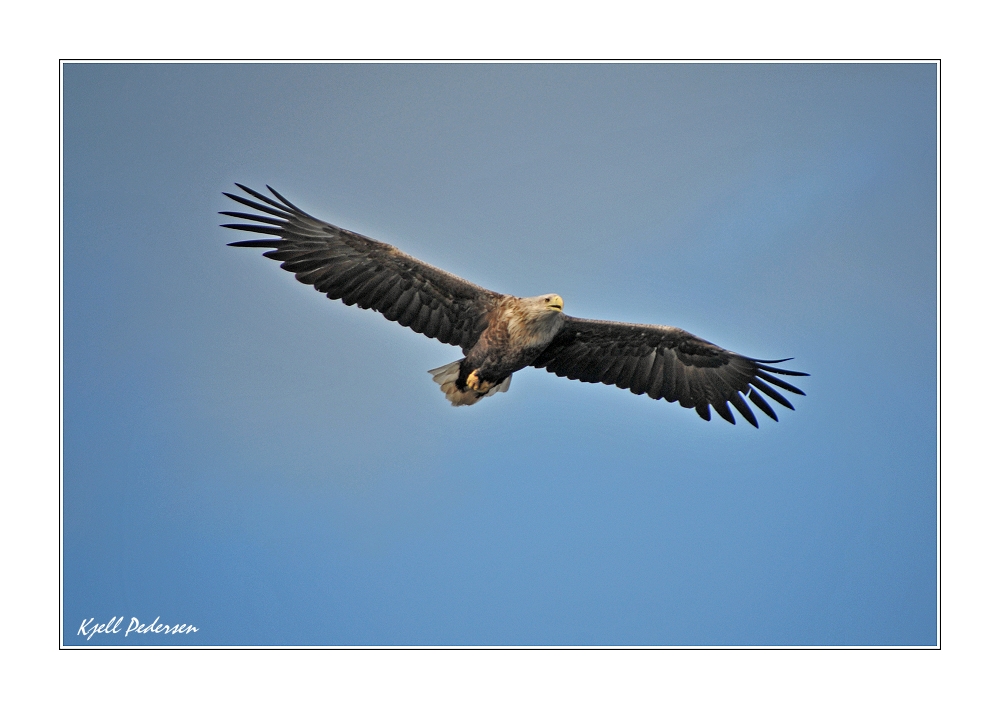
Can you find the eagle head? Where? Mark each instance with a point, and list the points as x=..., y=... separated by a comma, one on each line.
x=533, y=322
x=549, y=302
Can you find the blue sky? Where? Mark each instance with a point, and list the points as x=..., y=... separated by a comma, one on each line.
x=242, y=454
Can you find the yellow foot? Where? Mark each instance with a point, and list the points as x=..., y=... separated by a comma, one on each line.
x=476, y=384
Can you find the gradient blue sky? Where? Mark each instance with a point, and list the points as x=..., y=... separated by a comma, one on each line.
x=242, y=454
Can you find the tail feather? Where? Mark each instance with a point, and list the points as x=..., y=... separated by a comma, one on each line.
x=447, y=377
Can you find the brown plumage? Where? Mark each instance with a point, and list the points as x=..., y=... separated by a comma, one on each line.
x=500, y=334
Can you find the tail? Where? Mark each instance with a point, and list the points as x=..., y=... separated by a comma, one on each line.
x=447, y=376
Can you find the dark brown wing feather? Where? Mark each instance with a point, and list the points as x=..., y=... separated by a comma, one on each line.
x=666, y=363
x=356, y=269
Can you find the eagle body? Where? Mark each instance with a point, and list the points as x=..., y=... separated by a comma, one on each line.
x=500, y=334
x=519, y=330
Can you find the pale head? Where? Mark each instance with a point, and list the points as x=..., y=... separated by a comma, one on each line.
x=537, y=320
x=547, y=302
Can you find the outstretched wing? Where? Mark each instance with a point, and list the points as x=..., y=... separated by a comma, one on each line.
x=356, y=269
x=667, y=363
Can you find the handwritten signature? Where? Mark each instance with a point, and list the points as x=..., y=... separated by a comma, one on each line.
x=113, y=627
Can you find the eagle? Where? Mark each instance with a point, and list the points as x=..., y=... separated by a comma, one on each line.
x=500, y=334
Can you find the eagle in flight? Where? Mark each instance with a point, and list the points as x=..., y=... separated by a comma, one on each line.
x=500, y=334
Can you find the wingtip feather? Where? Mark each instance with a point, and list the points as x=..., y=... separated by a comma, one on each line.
x=256, y=243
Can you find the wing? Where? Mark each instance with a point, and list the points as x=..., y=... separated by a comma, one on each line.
x=356, y=269
x=667, y=363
